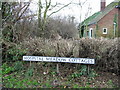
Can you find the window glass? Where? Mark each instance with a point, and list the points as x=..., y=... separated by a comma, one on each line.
x=104, y=30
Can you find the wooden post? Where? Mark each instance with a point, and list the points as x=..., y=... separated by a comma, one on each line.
x=88, y=69
x=57, y=54
x=58, y=68
x=30, y=63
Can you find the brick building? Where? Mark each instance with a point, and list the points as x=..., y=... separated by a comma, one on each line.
x=105, y=23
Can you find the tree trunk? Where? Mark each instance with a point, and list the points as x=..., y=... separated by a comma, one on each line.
x=39, y=31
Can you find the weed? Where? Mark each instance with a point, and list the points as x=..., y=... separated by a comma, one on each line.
x=110, y=83
x=29, y=72
x=14, y=53
x=75, y=86
x=47, y=85
x=87, y=86
x=92, y=73
x=75, y=75
x=53, y=73
x=18, y=65
x=6, y=69
x=83, y=70
x=14, y=82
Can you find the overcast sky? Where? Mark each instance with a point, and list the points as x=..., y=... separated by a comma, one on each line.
x=74, y=10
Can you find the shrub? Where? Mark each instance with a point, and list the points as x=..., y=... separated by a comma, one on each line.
x=29, y=72
x=48, y=47
x=104, y=51
x=18, y=66
x=60, y=26
x=6, y=69
x=12, y=51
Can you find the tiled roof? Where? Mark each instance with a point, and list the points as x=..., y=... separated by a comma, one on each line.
x=89, y=19
x=99, y=15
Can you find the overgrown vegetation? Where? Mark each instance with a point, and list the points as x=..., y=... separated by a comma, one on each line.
x=44, y=75
x=104, y=51
x=12, y=52
x=20, y=37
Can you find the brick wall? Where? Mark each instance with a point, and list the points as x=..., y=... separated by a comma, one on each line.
x=93, y=26
x=107, y=22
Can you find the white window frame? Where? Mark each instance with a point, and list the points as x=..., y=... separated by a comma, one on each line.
x=104, y=32
x=91, y=34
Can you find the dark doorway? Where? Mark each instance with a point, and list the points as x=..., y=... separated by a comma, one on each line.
x=91, y=33
x=87, y=33
x=82, y=31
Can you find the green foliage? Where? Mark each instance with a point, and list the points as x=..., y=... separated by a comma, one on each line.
x=87, y=86
x=53, y=73
x=14, y=53
x=93, y=73
x=18, y=65
x=97, y=27
x=12, y=79
x=29, y=72
x=74, y=75
x=83, y=70
x=7, y=34
x=76, y=86
x=0, y=75
x=6, y=69
x=110, y=83
x=7, y=10
x=17, y=79
x=14, y=82
x=115, y=18
x=47, y=85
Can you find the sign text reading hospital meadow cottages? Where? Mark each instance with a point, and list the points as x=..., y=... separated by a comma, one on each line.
x=59, y=59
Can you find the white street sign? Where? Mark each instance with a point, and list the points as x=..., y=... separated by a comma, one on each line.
x=59, y=59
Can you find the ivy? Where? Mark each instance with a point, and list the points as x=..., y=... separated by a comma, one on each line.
x=115, y=18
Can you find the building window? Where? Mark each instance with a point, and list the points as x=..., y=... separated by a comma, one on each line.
x=90, y=32
x=104, y=30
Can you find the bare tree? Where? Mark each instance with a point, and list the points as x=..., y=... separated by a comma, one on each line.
x=61, y=27
x=80, y=5
x=11, y=14
x=43, y=16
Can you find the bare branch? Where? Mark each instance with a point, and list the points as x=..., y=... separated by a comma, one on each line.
x=28, y=16
x=59, y=9
x=84, y=2
x=46, y=9
x=18, y=18
x=53, y=6
x=20, y=9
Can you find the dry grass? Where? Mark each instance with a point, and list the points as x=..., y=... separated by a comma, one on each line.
x=104, y=51
x=48, y=47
